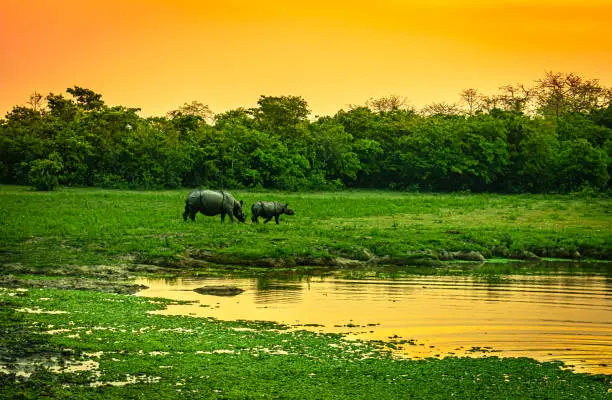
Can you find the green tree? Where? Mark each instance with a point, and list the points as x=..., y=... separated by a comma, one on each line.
x=332, y=151
x=239, y=116
x=535, y=167
x=280, y=114
x=603, y=116
x=572, y=126
x=370, y=154
x=580, y=165
x=23, y=141
x=65, y=110
x=86, y=99
x=453, y=154
x=43, y=174
x=190, y=116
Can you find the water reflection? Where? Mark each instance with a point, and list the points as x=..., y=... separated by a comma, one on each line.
x=567, y=318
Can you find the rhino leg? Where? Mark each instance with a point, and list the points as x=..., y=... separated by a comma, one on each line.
x=254, y=219
x=189, y=211
x=223, y=213
x=276, y=219
x=267, y=220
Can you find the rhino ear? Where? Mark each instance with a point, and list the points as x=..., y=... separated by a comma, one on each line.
x=241, y=203
x=286, y=204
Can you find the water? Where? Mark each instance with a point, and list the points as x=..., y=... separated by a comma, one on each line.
x=566, y=318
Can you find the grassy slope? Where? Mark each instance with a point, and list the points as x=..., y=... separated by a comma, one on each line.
x=167, y=357
x=92, y=226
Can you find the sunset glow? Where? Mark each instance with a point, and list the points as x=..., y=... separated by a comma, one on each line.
x=158, y=54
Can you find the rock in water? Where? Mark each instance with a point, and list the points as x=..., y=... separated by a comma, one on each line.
x=219, y=290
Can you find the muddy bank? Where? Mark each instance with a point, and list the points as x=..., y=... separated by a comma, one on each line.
x=195, y=259
x=205, y=259
x=118, y=278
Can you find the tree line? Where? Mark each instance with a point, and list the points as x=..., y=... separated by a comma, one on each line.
x=551, y=137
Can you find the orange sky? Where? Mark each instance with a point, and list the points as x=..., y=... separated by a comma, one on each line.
x=159, y=54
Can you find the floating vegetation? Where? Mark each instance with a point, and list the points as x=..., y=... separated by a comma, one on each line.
x=214, y=358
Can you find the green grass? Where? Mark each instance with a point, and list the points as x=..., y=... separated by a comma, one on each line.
x=95, y=240
x=95, y=227
x=181, y=357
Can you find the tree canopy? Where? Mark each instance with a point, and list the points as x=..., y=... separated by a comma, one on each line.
x=555, y=136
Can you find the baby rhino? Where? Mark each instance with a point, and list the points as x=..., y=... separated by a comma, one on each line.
x=269, y=209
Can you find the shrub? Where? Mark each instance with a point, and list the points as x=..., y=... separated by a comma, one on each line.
x=44, y=173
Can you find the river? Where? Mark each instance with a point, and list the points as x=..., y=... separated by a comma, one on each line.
x=565, y=318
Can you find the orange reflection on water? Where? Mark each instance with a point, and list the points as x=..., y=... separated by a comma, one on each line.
x=567, y=318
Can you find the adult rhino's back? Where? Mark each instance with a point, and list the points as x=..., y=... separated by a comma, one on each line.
x=212, y=202
x=208, y=202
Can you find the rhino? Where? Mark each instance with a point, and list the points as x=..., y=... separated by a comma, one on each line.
x=269, y=209
x=213, y=202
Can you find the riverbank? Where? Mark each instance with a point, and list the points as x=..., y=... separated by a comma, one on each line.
x=556, y=317
x=340, y=229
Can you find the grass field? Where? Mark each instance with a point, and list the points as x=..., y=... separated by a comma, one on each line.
x=102, y=227
x=58, y=342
